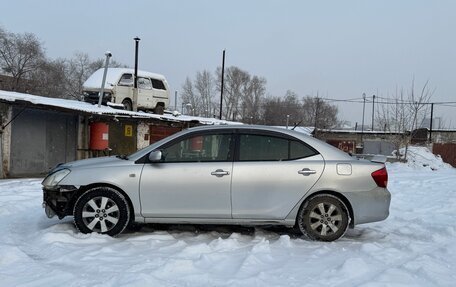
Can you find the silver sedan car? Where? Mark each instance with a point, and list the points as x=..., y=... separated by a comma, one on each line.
x=246, y=175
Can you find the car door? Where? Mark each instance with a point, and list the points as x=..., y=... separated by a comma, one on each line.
x=124, y=88
x=193, y=180
x=145, y=93
x=271, y=174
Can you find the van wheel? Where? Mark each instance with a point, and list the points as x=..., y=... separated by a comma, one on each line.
x=127, y=105
x=103, y=210
x=159, y=110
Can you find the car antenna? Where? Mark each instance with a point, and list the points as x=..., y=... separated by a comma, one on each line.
x=296, y=125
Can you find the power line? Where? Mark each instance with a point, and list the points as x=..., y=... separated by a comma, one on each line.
x=396, y=102
x=348, y=100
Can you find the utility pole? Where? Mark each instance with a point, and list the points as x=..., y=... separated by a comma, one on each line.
x=316, y=116
x=175, y=100
x=362, y=124
x=373, y=109
x=430, y=128
x=135, y=87
x=221, y=86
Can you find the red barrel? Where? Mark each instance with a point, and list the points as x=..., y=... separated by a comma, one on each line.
x=196, y=143
x=99, y=136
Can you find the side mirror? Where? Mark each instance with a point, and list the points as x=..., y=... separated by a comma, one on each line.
x=155, y=156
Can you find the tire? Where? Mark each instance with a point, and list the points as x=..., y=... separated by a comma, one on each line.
x=159, y=110
x=323, y=217
x=127, y=105
x=103, y=210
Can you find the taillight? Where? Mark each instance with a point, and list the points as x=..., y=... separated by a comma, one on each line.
x=380, y=177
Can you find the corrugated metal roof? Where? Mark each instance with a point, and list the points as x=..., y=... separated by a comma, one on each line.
x=88, y=108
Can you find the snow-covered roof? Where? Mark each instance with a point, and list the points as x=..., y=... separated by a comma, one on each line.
x=84, y=107
x=113, y=75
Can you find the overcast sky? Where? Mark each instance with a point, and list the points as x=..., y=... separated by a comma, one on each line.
x=338, y=49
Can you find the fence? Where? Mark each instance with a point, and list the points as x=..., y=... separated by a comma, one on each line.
x=447, y=151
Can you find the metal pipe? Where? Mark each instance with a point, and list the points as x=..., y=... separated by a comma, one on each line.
x=362, y=124
x=135, y=81
x=373, y=108
x=101, y=94
x=430, y=128
x=221, y=86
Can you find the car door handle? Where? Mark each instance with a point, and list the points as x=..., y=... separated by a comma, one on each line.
x=306, y=171
x=220, y=173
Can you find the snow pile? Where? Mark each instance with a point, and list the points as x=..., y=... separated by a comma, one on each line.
x=418, y=157
x=413, y=247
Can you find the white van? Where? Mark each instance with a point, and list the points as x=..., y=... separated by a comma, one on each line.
x=153, y=89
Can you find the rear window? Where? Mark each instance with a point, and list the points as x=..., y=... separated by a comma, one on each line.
x=158, y=84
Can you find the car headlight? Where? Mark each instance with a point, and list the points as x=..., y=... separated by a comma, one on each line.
x=53, y=179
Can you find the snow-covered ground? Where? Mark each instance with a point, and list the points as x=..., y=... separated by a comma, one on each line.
x=415, y=246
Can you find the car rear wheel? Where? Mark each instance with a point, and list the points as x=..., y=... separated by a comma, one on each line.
x=323, y=217
x=103, y=210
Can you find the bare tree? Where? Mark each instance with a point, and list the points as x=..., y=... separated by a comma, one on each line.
x=271, y=114
x=49, y=79
x=402, y=114
x=20, y=54
x=253, y=99
x=318, y=113
x=78, y=70
x=242, y=100
x=204, y=87
x=418, y=103
x=189, y=97
x=100, y=62
x=235, y=85
x=395, y=118
x=277, y=111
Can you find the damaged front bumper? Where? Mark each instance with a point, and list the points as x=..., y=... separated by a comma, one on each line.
x=59, y=201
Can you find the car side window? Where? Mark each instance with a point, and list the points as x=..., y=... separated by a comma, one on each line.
x=299, y=150
x=260, y=147
x=126, y=80
x=271, y=148
x=144, y=83
x=200, y=148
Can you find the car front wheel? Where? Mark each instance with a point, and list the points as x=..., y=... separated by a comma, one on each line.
x=103, y=210
x=323, y=217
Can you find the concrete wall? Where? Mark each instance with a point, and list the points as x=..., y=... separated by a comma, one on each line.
x=6, y=114
x=143, y=136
